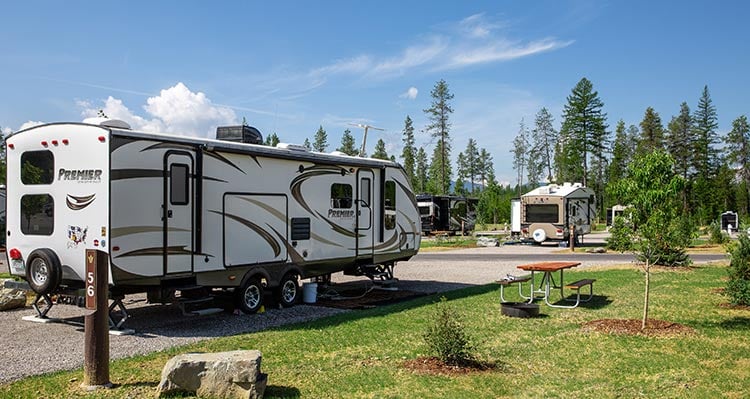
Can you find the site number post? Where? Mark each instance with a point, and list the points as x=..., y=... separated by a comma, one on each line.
x=96, y=324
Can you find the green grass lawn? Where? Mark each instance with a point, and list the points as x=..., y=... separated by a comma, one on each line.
x=360, y=355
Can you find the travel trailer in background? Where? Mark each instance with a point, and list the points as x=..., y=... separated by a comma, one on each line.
x=547, y=212
x=177, y=212
x=446, y=213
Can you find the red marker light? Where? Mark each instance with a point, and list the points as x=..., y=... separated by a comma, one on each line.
x=54, y=142
x=44, y=143
x=11, y=146
x=101, y=139
x=65, y=141
x=14, y=254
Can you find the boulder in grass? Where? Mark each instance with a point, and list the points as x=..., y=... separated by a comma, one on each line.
x=11, y=298
x=234, y=374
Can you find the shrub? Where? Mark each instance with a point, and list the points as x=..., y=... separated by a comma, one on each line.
x=738, y=287
x=621, y=233
x=446, y=337
x=716, y=235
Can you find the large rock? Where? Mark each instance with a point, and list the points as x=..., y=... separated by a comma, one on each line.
x=233, y=374
x=11, y=298
x=488, y=242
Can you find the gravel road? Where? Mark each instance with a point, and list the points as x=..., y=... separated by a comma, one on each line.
x=33, y=348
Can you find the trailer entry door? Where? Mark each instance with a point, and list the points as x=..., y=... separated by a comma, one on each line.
x=365, y=232
x=178, y=212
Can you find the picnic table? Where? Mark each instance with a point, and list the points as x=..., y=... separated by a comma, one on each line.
x=548, y=282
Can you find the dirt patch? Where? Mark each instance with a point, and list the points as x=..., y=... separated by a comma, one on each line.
x=435, y=366
x=354, y=298
x=654, y=328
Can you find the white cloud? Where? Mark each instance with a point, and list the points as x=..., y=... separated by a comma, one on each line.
x=499, y=51
x=6, y=131
x=411, y=93
x=478, y=26
x=411, y=57
x=29, y=124
x=174, y=110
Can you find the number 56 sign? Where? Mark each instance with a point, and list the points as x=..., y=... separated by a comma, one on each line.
x=91, y=277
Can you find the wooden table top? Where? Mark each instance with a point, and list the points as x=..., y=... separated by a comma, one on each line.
x=548, y=266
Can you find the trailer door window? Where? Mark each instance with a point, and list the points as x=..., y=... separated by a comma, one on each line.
x=37, y=167
x=390, y=205
x=38, y=214
x=541, y=213
x=180, y=184
x=341, y=196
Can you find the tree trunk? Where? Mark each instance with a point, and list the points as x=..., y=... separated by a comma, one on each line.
x=645, y=297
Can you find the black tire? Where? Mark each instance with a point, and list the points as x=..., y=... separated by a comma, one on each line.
x=287, y=294
x=43, y=271
x=249, y=297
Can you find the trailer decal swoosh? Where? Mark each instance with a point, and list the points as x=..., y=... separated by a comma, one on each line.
x=267, y=237
x=159, y=251
x=78, y=203
x=296, y=257
x=339, y=229
x=266, y=207
x=296, y=185
x=221, y=158
x=129, y=230
x=409, y=193
x=124, y=174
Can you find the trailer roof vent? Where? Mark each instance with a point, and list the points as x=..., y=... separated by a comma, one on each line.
x=293, y=147
x=239, y=134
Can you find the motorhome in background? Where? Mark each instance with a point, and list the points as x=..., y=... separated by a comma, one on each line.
x=446, y=214
x=174, y=211
x=547, y=212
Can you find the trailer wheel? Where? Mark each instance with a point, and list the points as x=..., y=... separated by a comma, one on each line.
x=288, y=292
x=43, y=271
x=250, y=296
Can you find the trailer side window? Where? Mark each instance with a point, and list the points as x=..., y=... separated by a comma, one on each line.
x=538, y=213
x=38, y=214
x=341, y=196
x=390, y=205
x=37, y=167
x=179, y=184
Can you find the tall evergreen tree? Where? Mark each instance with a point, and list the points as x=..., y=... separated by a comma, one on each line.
x=469, y=164
x=584, y=133
x=679, y=141
x=544, y=142
x=321, y=140
x=520, y=150
x=652, y=132
x=459, y=188
x=621, y=155
x=271, y=140
x=409, y=153
x=486, y=168
x=420, y=171
x=705, y=123
x=439, y=128
x=307, y=144
x=380, y=152
x=348, y=146
x=738, y=154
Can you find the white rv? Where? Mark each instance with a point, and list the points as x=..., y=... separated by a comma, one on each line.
x=176, y=211
x=547, y=212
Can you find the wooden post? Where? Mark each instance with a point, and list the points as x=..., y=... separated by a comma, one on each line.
x=572, y=236
x=96, y=324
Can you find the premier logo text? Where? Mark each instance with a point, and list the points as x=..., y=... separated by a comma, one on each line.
x=82, y=176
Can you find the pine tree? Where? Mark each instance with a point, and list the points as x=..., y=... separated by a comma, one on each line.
x=271, y=140
x=380, y=152
x=420, y=171
x=583, y=134
x=544, y=140
x=463, y=171
x=486, y=168
x=307, y=144
x=439, y=128
x=679, y=141
x=738, y=154
x=321, y=140
x=621, y=155
x=469, y=164
x=705, y=121
x=409, y=153
x=652, y=132
x=348, y=146
x=520, y=149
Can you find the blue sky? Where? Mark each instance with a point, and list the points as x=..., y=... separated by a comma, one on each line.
x=289, y=67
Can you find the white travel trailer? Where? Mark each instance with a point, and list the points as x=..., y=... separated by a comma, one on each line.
x=547, y=212
x=175, y=211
